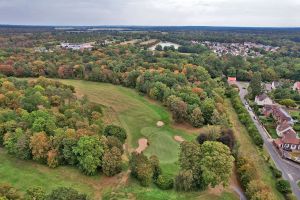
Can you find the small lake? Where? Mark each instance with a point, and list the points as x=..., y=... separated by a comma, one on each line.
x=165, y=44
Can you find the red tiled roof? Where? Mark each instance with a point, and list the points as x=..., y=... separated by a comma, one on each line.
x=284, y=125
x=297, y=85
x=231, y=78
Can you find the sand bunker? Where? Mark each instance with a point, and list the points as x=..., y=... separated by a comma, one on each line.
x=178, y=138
x=160, y=124
x=143, y=144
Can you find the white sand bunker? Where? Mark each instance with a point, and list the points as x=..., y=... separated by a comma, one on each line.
x=143, y=144
x=160, y=124
x=178, y=138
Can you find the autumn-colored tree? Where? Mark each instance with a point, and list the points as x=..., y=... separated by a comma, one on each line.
x=112, y=162
x=39, y=144
x=53, y=158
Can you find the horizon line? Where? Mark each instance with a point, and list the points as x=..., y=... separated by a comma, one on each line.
x=213, y=26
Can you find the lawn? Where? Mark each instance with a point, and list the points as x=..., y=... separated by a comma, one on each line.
x=249, y=149
x=24, y=174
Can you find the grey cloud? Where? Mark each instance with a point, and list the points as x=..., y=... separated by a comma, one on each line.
x=151, y=12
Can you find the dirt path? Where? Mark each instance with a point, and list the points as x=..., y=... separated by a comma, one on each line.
x=143, y=144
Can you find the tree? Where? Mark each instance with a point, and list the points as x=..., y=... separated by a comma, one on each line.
x=53, y=158
x=207, y=109
x=216, y=163
x=255, y=85
x=64, y=193
x=154, y=161
x=68, y=144
x=141, y=168
x=177, y=107
x=89, y=152
x=39, y=145
x=112, y=162
x=257, y=190
x=184, y=181
x=116, y=131
x=196, y=118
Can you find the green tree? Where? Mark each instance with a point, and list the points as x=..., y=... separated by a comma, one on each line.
x=255, y=87
x=89, y=152
x=196, y=118
x=216, y=163
x=116, y=131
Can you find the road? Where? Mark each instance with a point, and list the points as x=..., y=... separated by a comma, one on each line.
x=290, y=170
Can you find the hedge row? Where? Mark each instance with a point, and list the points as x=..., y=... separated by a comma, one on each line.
x=250, y=180
x=244, y=117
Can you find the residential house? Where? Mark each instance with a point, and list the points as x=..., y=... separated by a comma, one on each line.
x=283, y=128
x=268, y=110
x=297, y=86
x=281, y=116
x=275, y=84
x=263, y=99
x=231, y=79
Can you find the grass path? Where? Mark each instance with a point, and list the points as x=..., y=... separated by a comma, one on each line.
x=249, y=150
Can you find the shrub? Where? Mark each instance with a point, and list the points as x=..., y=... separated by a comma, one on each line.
x=164, y=182
x=276, y=173
x=64, y=193
x=283, y=186
x=290, y=197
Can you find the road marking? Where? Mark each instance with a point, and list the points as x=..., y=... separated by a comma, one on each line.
x=290, y=176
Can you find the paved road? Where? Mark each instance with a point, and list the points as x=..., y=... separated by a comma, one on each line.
x=290, y=170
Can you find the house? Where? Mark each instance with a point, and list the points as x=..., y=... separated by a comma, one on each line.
x=283, y=128
x=231, y=79
x=297, y=86
x=280, y=115
x=267, y=110
x=275, y=84
x=263, y=99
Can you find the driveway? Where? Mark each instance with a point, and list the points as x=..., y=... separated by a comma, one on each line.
x=290, y=170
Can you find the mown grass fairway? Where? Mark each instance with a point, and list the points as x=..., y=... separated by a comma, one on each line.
x=138, y=116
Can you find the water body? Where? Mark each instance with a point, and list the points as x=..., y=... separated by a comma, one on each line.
x=165, y=44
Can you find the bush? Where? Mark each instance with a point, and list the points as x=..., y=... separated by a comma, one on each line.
x=164, y=182
x=276, y=173
x=283, y=186
x=290, y=197
x=116, y=131
x=64, y=193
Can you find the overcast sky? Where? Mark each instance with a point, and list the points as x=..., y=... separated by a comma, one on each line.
x=151, y=12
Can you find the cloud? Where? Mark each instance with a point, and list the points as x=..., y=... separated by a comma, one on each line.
x=151, y=12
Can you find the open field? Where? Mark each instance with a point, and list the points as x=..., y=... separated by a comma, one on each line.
x=248, y=149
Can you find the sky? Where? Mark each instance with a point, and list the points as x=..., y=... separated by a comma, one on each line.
x=256, y=13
